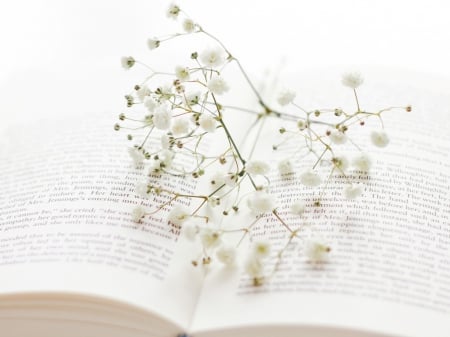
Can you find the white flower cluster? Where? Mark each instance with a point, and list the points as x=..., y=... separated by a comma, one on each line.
x=180, y=112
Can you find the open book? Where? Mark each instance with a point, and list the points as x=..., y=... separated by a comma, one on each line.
x=73, y=263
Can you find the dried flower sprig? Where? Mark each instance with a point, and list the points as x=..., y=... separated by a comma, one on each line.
x=184, y=113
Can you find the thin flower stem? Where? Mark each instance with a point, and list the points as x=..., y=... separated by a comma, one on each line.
x=357, y=101
x=248, y=230
x=146, y=137
x=280, y=254
x=320, y=157
x=258, y=135
x=274, y=212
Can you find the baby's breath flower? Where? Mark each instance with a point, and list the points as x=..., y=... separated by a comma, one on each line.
x=210, y=238
x=286, y=96
x=217, y=85
x=150, y=103
x=162, y=118
x=261, y=249
x=379, y=138
x=353, y=191
x=227, y=254
x=340, y=162
x=207, y=122
x=166, y=159
x=217, y=179
x=192, y=98
x=310, y=178
x=141, y=188
x=127, y=62
x=180, y=126
x=231, y=179
x=165, y=91
x=172, y=11
x=285, y=167
x=337, y=137
x=143, y=92
x=352, y=79
x=298, y=207
x=213, y=201
x=138, y=213
x=301, y=124
x=182, y=73
x=188, y=25
x=137, y=156
x=153, y=43
x=257, y=167
x=362, y=162
x=165, y=141
x=316, y=251
x=212, y=57
x=190, y=231
x=261, y=202
x=178, y=214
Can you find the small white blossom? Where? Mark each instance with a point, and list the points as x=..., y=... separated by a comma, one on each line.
x=162, y=118
x=141, y=188
x=286, y=96
x=298, y=207
x=227, y=255
x=172, y=11
x=138, y=213
x=165, y=91
x=340, y=162
x=316, y=251
x=379, y=138
x=180, y=126
x=212, y=57
x=150, y=103
x=127, y=62
x=310, y=178
x=213, y=201
x=188, y=25
x=261, y=249
x=217, y=85
x=182, y=73
x=178, y=214
x=301, y=124
x=231, y=179
x=153, y=43
x=257, y=167
x=166, y=159
x=207, y=122
x=165, y=142
x=254, y=267
x=362, y=162
x=190, y=231
x=337, y=137
x=285, y=167
x=192, y=98
x=210, y=238
x=352, y=79
x=143, y=92
x=137, y=156
x=261, y=202
x=217, y=179
x=353, y=191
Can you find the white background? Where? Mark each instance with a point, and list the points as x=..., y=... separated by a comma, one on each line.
x=64, y=56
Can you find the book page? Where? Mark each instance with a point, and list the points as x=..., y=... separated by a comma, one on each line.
x=68, y=189
x=389, y=269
